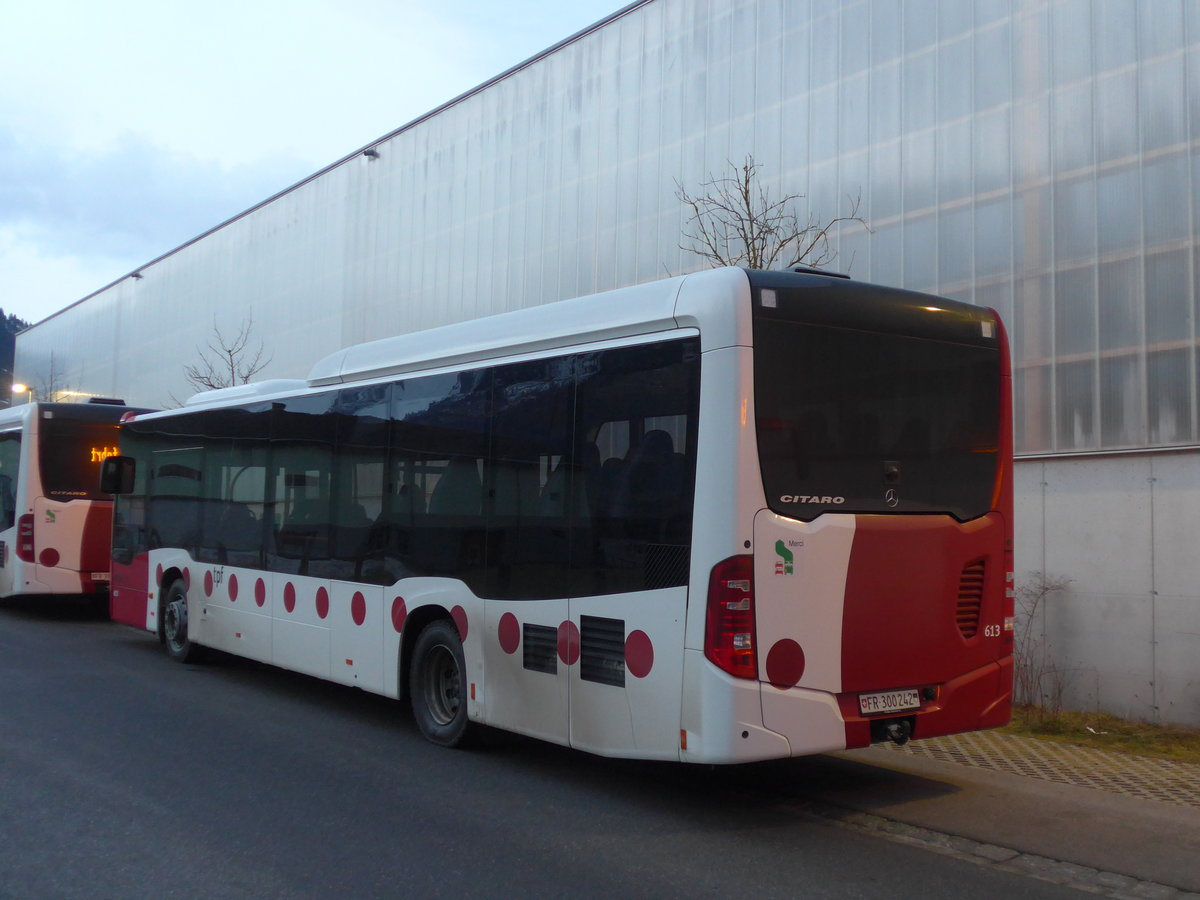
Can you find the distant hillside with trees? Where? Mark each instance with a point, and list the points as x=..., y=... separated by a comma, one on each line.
x=9, y=326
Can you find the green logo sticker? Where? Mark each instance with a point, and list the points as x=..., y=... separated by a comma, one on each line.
x=785, y=565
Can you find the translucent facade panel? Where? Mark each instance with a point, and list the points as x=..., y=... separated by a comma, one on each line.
x=1168, y=306
x=954, y=161
x=1075, y=312
x=993, y=66
x=1070, y=34
x=920, y=85
x=920, y=24
x=887, y=35
x=1121, y=401
x=1166, y=218
x=885, y=99
x=1118, y=209
x=1034, y=155
x=1116, y=108
x=1161, y=102
x=955, y=246
x=954, y=79
x=1116, y=41
x=992, y=235
x=1120, y=326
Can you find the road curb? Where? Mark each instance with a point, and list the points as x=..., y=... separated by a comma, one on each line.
x=1084, y=878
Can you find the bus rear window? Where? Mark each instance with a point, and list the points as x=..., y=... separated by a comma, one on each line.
x=71, y=452
x=853, y=420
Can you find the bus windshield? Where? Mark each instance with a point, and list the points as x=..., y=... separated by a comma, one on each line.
x=72, y=447
x=855, y=418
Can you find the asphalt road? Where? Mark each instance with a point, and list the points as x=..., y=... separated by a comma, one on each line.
x=123, y=775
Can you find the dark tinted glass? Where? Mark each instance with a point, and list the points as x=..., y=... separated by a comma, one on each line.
x=548, y=478
x=434, y=522
x=533, y=486
x=10, y=470
x=303, y=436
x=71, y=452
x=858, y=421
x=636, y=421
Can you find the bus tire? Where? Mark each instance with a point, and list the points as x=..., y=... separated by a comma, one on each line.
x=437, y=685
x=175, y=625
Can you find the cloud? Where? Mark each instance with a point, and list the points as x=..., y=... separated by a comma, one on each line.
x=132, y=199
x=71, y=221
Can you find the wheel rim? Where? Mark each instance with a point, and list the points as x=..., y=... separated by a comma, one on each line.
x=443, y=684
x=175, y=624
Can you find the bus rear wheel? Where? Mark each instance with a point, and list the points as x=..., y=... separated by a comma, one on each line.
x=437, y=685
x=175, y=625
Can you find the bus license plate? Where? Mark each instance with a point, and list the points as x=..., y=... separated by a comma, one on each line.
x=101, y=576
x=888, y=702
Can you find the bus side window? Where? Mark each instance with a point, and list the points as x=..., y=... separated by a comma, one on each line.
x=10, y=462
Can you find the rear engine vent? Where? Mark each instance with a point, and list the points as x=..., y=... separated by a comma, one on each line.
x=539, y=646
x=602, y=650
x=970, y=599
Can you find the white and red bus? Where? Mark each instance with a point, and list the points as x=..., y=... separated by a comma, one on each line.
x=729, y=516
x=55, y=525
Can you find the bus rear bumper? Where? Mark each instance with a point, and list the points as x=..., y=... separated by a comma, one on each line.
x=972, y=702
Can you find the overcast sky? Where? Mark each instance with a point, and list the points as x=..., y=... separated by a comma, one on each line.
x=129, y=126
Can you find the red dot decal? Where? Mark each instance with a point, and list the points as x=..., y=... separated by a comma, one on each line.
x=568, y=643
x=289, y=597
x=260, y=592
x=208, y=584
x=322, y=602
x=639, y=654
x=510, y=633
x=358, y=608
x=785, y=664
x=459, y=615
x=399, y=614
x=49, y=557
x=232, y=588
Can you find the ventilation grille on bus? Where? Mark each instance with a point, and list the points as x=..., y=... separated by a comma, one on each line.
x=602, y=650
x=539, y=648
x=970, y=599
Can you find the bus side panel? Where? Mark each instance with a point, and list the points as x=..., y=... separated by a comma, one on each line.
x=10, y=574
x=525, y=658
x=128, y=601
x=96, y=547
x=626, y=684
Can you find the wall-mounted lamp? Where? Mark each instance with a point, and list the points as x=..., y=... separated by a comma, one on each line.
x=371, y=153
x=19, y=388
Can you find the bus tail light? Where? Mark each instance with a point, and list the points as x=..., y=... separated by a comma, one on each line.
x=25, y=538
x=729, y=625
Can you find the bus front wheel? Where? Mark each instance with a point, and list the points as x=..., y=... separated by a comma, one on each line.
x=175, y=625
x=437, y=683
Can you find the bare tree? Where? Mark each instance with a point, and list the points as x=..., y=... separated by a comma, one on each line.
x=227, y=361
x=735, y=222
x=53, y=384
x=1037, y=681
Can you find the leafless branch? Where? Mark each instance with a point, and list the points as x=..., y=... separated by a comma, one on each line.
x=227, y=361
x=734, y=221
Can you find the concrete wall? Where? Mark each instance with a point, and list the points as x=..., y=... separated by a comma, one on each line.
x=1123, y=635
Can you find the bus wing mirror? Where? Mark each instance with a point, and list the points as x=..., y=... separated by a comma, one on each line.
x=116, y=475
